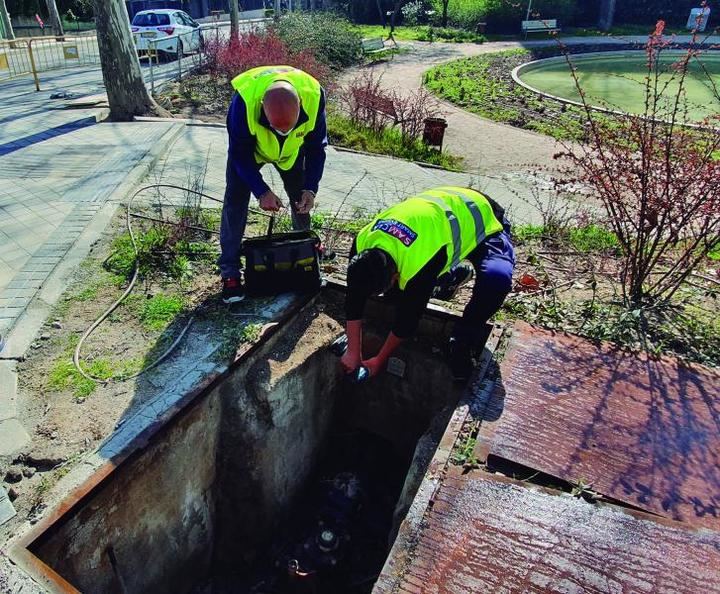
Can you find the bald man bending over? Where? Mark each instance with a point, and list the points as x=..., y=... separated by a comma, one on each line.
x=277, y=116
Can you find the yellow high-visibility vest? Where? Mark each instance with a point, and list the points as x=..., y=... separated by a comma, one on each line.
x=251, y=86
x=414, y=230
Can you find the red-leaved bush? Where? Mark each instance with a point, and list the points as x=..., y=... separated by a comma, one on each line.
x=229, y=57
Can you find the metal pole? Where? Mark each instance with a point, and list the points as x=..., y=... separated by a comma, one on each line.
x=152, y=77
x=179, y=58
x=277, y=10
x=32, y=63
x=527, y=16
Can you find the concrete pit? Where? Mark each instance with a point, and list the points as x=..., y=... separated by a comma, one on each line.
x=283, y=476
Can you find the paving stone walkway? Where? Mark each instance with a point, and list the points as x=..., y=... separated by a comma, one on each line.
x=59, y=169
x=353, y=183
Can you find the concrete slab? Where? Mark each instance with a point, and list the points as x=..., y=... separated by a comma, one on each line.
x=7, y=510
x=13, y=437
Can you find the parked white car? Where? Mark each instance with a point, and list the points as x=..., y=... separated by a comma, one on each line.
x=171, y=32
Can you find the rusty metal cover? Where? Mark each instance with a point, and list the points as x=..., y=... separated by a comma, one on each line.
x=484, y=534
x=642, y=431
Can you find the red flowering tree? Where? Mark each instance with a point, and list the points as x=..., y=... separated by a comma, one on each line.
x=657, y=175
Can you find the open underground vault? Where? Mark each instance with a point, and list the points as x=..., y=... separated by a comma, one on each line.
x=282, y=476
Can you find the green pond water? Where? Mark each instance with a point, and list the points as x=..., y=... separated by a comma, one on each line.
x=617, y=81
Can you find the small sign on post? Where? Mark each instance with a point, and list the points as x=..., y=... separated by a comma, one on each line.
x=4, y=66
x=698, y=19
x=71, y=52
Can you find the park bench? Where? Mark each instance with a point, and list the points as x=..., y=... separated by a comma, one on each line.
x=374, y=45
x=545, y=25
x=379, y=104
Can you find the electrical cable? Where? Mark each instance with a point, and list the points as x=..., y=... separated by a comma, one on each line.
x=77, y=354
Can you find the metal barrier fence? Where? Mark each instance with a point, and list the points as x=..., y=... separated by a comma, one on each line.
x=35, y=55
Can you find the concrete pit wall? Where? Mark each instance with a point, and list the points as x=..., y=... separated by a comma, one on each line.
x=155, y=518
x=275, y=418
x=212, y=486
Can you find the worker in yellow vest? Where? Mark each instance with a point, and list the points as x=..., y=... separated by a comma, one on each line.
x=277, y=115
x=416, y=249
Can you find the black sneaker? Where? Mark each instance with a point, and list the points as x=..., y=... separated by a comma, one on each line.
x=232, y=291
x=451, y=281
x=460, y=360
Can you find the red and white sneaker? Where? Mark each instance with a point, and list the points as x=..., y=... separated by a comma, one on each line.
x=232, y=290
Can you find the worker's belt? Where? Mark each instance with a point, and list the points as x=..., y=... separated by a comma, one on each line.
x=282, y=262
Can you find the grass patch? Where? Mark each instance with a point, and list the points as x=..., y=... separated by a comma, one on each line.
x=586, y=239
x=422, y=33
x=64, y=376
x=683, y=331
x=714, y=253
x=234, y=334
x=593, y=238
x=342, y=131
x=527, y=233
x=483, y=85
x=158, y=311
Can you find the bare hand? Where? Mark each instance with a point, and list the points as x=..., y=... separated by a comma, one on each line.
x=269, y=201
x=350, y=362
x=306, y=203
x=374, y=365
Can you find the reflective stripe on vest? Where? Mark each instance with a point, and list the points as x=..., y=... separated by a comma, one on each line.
x=413, y=231
x=454, y=227
x=474, y=211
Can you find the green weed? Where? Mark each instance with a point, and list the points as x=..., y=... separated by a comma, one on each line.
x=63, y=375
x=593, y=238
x=158, y=311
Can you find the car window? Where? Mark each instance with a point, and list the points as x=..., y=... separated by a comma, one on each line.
x=151, y=19
x=187, y=20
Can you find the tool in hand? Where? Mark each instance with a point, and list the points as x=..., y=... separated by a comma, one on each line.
x=338, y=348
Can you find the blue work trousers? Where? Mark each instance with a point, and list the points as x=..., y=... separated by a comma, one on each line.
x=493, y=261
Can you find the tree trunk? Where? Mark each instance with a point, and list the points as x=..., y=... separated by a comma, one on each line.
x=607, y=15
x=276, y=14
x=312, y=5
x=54, y=18
x=381, y=12
x=445, y=9
x=396, y=11
x=234, y=19
x=126, y=91
x=5, y=21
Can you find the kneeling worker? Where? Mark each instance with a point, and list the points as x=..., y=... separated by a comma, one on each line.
x=416, y=248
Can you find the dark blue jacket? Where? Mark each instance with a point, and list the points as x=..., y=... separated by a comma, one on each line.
x=241, y=149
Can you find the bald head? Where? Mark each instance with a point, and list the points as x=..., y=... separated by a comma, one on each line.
x=282, y=106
